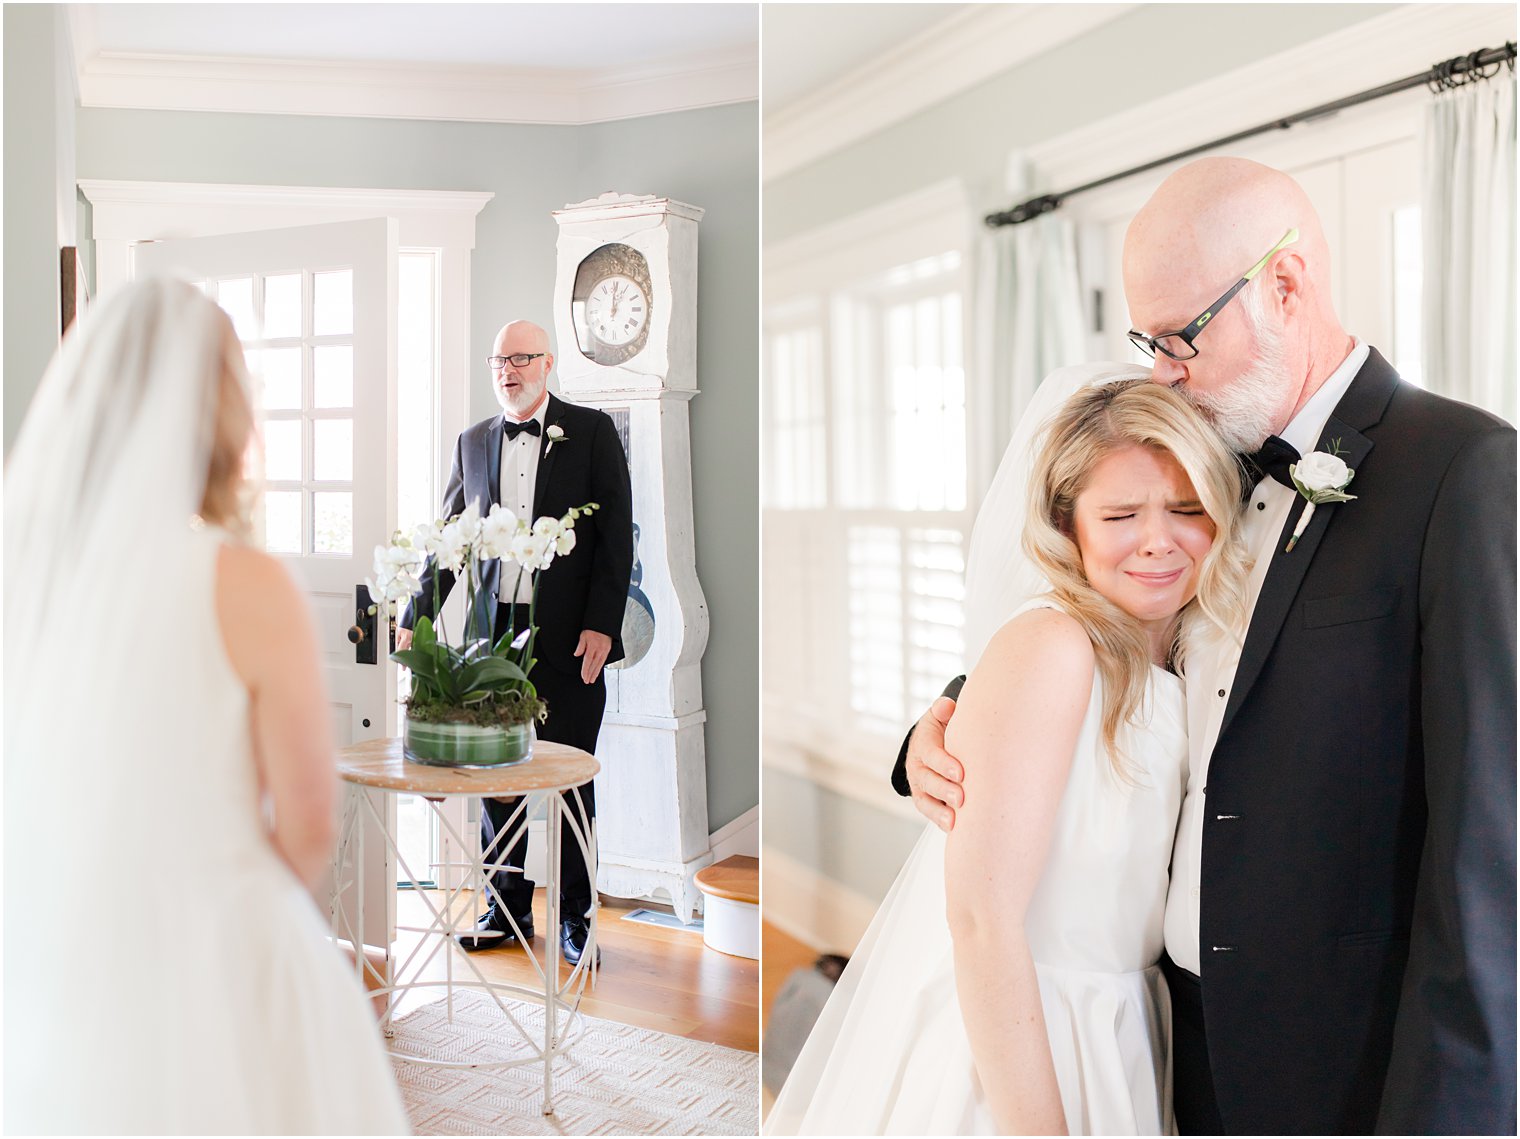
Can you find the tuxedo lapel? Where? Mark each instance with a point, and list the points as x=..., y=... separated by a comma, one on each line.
x=1360, y=408
x=493, y=462
x=547, y=454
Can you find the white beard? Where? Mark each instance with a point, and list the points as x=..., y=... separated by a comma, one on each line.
x=1249, y=408
x=521, y=408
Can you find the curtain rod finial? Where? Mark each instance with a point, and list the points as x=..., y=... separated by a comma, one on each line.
x=1025, y=211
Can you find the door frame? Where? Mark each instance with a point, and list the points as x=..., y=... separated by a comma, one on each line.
x=126, y=213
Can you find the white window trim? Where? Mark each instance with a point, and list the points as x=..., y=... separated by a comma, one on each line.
x=126, y=213
x=857, y=762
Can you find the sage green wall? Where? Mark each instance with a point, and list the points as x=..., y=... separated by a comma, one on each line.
x=1146, y=53
x=707, y=157
x=40, y=214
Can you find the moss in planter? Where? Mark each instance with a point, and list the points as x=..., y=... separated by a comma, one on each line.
x=494, y=712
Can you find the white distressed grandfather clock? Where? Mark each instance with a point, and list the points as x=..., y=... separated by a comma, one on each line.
x=625, y=322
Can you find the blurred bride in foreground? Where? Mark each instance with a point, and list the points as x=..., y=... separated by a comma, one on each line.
x=166, y=969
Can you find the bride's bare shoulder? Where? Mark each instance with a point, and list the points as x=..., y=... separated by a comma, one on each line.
x=244, y=572
x=1043, y=637
x=259, y=608
x=1037, y=658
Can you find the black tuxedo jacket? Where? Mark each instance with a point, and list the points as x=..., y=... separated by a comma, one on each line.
x=1357, y=926
x=585, y=589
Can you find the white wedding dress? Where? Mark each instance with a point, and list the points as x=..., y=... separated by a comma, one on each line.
x=209, y=1000
x=889, y=1053
x=165, y=971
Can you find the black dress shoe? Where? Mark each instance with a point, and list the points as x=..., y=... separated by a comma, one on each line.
x=492, y=934
x=572, y=940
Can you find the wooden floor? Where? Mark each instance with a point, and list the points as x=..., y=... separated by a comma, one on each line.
x=780, y=953
x=650, y=976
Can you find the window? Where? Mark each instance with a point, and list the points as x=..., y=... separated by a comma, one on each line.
x=866, y=496
x=795, y=448
x=297, y=331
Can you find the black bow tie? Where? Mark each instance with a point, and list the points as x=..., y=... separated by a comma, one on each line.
x=531, y=427
x=1273, y=459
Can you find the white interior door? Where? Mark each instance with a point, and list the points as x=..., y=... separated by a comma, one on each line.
x=314, y=308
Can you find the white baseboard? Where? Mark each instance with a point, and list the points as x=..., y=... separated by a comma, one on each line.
x=814, y=909
x=739, y=836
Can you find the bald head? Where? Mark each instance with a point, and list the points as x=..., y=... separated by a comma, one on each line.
x=520, y=387
x=521, y=336
x=1213, y=219
x=1201, y=231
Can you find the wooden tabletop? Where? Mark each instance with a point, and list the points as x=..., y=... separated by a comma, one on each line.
x=737, y=878
x=380, y=763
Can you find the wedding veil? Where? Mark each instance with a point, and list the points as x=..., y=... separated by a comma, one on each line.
x=999, y=575
x=100, y=488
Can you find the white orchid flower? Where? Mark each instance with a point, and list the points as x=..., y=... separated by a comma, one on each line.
x=528, y=550
x=426, y=536
x=453, y=547
x=496, y=532
x=469, y=523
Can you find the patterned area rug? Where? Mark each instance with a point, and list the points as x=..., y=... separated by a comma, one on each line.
x=617, y=1080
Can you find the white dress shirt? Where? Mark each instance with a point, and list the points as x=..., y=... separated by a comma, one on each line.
x=519, y=477
x=1211, y=670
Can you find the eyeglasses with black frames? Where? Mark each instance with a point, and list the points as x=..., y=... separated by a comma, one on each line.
x=517, y=360
x=1179, y=344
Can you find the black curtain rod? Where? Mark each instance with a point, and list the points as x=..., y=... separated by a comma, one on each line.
x=1440, y=77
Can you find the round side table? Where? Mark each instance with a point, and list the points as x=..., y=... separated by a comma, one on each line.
x=380, y=765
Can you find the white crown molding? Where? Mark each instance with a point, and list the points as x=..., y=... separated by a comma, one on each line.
x=960, y=52
x=1380, y=50
x=411, y=91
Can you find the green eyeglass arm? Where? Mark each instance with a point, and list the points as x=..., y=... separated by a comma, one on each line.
x=1207, y=315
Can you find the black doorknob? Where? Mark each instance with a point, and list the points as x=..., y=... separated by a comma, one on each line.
x=355, y=634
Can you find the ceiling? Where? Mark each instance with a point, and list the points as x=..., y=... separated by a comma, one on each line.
x=809, y=46
x=562, y=37
x=541, y=62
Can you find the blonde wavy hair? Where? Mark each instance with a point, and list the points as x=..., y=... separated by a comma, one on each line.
x=1093, y=424
x=232, y=473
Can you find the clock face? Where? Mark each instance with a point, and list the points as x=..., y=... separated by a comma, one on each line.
x=610, y=305
x=616, y=310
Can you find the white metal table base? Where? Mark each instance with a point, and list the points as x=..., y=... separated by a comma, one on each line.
x=404, y=975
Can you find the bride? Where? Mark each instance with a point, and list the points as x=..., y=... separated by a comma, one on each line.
x=169, y=778
x=1036, y=1004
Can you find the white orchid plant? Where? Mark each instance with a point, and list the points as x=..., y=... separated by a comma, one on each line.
x=479, y=682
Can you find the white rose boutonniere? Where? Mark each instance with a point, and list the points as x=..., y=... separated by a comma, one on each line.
x=555, y=434
x=1319, y=477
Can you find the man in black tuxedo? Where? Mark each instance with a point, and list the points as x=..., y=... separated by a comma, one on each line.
x=540, y=457
x=1340, y=926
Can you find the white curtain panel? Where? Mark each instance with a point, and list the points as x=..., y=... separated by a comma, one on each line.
x=1029, y=316
x=1468, y=211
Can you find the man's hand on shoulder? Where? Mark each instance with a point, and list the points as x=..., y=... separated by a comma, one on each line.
x=593, y=649
x=934, y=775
